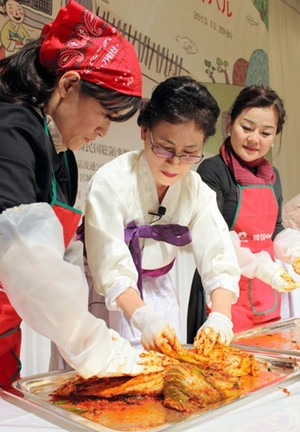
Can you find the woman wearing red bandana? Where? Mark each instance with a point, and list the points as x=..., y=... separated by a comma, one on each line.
x=249, y=195
x=56, y=94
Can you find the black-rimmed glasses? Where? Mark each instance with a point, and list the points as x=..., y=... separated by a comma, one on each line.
x=167, y=154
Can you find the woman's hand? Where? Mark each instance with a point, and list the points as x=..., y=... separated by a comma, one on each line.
x=217, y=328
x=155, y=331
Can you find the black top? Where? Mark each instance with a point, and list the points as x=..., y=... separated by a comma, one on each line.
x=218, y=176
x=27, y=157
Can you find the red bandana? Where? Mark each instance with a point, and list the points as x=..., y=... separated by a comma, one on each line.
x=243, y=172
x=80, y=40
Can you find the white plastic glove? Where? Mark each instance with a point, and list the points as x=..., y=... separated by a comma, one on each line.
x=261, y=266
x=217, y=328
x=296, y=264
x=123, y=358
x=274, y=275
x=154, y=329
x=287, y=248
x=294, y=253
x=283, y=282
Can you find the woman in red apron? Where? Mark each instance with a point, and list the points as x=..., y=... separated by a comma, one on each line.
x=254, y=222
x=10, y=321
x=249, y=196
x=68, y=95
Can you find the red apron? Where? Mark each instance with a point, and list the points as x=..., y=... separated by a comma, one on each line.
x=10, y=341
x=10, y=332
x=68, y=216
x=254, y=222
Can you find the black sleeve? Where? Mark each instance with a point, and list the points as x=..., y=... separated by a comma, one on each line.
x=278, y=193
x=25, y=158
x=218, y=177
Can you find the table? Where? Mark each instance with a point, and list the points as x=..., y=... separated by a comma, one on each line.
x=273, y=411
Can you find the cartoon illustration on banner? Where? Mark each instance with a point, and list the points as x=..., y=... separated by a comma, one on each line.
x=222, y=43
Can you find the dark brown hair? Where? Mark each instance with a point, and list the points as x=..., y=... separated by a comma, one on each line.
x=258, y=97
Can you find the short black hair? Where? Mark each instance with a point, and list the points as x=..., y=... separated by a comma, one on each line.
x=180, y=100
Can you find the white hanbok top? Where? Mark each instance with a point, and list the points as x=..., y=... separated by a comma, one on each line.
x=123, y=191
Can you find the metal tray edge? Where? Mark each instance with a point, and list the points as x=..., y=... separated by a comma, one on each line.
x=61, y=416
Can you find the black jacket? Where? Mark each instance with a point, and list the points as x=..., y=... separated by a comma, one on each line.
x=27, y=158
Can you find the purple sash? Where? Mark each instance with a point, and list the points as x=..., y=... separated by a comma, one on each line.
x=174, y=234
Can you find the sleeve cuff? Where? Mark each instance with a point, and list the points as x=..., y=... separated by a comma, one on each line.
x=118, y=288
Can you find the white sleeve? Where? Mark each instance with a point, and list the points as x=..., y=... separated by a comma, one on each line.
x=51, y=294
x=109, y=259
x=214, y=253
x=74, y=253
x=259, y=265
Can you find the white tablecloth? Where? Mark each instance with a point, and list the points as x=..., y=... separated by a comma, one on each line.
x=273, y=411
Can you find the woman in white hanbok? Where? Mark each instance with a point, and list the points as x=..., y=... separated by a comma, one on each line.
x=143, y=206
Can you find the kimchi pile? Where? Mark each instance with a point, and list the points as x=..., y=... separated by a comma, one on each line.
x=186, y=382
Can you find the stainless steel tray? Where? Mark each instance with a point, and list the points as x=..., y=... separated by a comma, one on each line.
x=276, y=370
x=279, y=337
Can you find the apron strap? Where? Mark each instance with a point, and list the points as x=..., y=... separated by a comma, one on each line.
x=68, y=216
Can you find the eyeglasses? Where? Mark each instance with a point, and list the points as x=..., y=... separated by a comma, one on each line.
x=167, y=154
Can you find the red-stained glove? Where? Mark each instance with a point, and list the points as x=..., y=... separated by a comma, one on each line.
x=154, y=329
x=217, y=328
